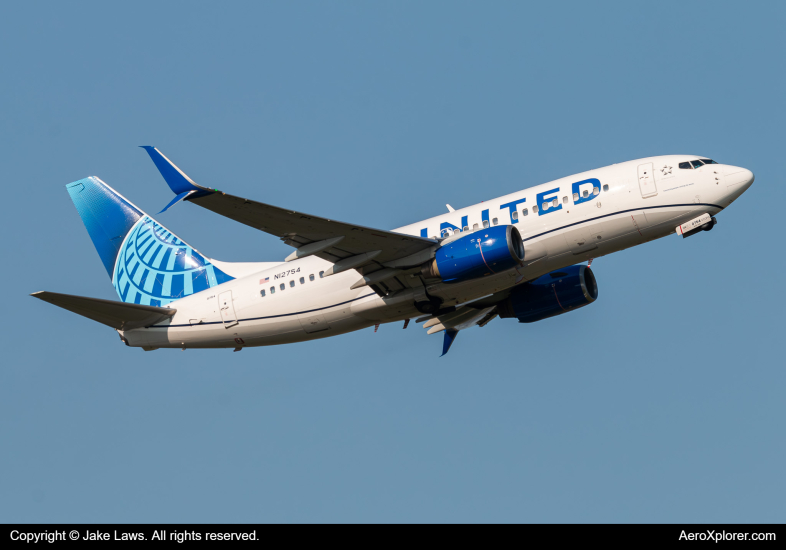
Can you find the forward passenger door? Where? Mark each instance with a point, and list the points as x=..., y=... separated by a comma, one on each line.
x=647, y=181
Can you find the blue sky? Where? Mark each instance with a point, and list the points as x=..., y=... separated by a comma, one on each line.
x=663, y=401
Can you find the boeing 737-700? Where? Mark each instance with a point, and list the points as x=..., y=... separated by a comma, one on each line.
x=519, y=256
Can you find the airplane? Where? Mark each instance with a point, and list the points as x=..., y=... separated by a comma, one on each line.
x=520, y=256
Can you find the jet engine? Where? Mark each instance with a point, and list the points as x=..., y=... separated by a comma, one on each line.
x=552, y=294
x=483, y=252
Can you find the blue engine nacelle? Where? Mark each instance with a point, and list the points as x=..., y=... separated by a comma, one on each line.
x=483, y=252
x=552, y=294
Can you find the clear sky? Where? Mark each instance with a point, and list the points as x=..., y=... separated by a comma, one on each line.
x=663, y=401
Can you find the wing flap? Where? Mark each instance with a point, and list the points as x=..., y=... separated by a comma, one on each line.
x=118, y=315
x=463, y=318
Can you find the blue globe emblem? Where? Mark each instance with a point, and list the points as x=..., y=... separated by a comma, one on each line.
x=154, y=267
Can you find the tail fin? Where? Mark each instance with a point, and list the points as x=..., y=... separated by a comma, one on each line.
x=148, y=264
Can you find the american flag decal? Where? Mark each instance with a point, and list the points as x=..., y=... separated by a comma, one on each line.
x=263, y=281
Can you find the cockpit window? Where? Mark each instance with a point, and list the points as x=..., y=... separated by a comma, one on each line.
x=696, y=164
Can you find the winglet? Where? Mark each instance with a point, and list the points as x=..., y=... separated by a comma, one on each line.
x=450, y=337
x=177, y=180
x=177, y=199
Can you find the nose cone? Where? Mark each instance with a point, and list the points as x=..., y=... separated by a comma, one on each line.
x=737, y=182
x=738, y=179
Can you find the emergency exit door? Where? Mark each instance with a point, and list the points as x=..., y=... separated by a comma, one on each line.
x=647, y=181
x=227, y=309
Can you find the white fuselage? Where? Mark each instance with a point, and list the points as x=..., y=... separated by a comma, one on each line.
x=638, y=201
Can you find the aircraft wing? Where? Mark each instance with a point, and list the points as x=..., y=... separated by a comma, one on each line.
x=118, y=315
x=328, y=239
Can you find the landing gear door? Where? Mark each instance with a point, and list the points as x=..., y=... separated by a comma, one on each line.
x=647, y=181
x=227, y=309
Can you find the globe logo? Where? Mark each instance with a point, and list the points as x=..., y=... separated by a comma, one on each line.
x=154, y=267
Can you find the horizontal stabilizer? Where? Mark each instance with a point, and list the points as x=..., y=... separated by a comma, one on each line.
x=118, y=315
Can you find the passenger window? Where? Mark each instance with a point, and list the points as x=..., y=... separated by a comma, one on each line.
x=272, y=290
x=262, y=292
x=302, y=280
x=686, y=166
x=545, y=206
x=494, y=221
x=525, y=212
x=321, y=274
x=585, y=193
x=564, y=200
x=311, y=277
x=595, y=190
x=282, y=286
x=535, y=209
x=606, y=187
x=485, y=224
x=466, y=228
x=292, y=283
x=515, y=216
x=575, y=197
x=696, y=164
x=474, y=227
x=554, y=203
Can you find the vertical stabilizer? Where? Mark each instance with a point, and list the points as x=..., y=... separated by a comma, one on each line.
x=148, y=263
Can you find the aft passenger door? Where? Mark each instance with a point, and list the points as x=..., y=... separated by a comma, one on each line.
x=647, y=181
x=227, y=309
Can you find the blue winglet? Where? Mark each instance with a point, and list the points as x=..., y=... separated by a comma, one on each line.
x=450, y=337
x=177, y=199
x=177, y=180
